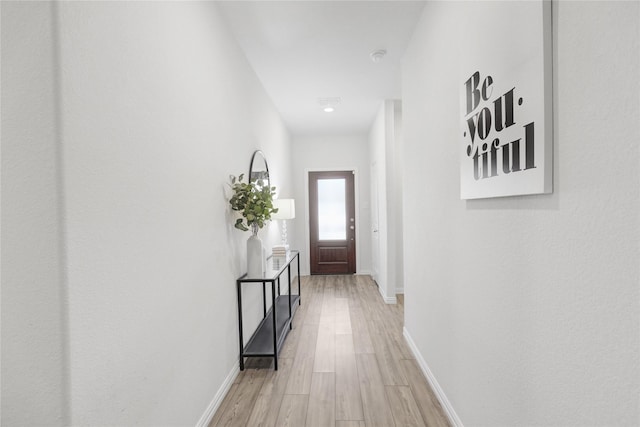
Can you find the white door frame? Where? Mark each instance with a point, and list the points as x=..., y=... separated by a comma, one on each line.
x=375, y=225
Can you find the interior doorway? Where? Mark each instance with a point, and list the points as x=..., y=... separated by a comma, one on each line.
x=332, y=226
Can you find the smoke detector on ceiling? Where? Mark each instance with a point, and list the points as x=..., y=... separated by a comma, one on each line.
x=377, y=55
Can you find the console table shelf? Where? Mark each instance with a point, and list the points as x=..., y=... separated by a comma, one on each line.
x=261, y=343
x=270, y=334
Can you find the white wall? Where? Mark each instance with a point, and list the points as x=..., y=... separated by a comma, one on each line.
x=33, y=317
x=318, y=153
x=526, y=308
x=385, y=138
x=158, y=106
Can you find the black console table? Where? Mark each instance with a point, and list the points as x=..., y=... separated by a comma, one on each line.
x=268, y=338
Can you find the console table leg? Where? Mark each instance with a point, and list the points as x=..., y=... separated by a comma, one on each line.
x=239, y=284
x=299, y=293
x=289, y=291
x=264, y=300
x=275, y=337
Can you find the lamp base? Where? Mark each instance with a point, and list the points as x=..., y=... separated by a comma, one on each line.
x=284, y=233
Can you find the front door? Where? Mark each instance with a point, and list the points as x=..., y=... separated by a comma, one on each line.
x=332, y=222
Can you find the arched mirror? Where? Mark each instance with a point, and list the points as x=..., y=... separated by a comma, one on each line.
x=259, y=170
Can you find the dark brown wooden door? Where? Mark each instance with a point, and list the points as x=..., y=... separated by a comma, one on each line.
x=332, y=222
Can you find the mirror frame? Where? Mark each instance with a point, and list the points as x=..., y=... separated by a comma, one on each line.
x=266, y=165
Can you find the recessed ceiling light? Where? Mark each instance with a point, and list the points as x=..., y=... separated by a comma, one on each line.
x=328, y=104
x=377, y=55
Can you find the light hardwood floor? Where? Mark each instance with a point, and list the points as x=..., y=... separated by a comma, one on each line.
x=345, y=363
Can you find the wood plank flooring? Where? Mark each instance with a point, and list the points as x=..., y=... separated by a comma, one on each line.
x=345, y=363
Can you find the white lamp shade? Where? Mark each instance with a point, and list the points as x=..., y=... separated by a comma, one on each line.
x=286, y=209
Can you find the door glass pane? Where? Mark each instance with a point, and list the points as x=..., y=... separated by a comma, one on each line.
x=332, y=210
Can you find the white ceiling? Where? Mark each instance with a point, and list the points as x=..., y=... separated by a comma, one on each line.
x=305, y=50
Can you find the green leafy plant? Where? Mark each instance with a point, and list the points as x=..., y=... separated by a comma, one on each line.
x=254, y=202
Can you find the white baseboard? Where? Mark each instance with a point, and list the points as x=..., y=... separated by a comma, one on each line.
x=206, y=418
x=446, y=405
x=400, y=291
x=386, y=299
x=363, y=273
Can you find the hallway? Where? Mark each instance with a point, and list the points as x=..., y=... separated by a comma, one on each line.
x=345, y=363
x=123, y=121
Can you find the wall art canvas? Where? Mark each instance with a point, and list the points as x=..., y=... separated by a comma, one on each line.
x=506, y=99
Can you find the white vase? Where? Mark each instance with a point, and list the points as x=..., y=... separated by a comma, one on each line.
x=255, y=254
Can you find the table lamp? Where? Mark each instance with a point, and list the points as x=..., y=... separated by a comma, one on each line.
x=286, y=210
